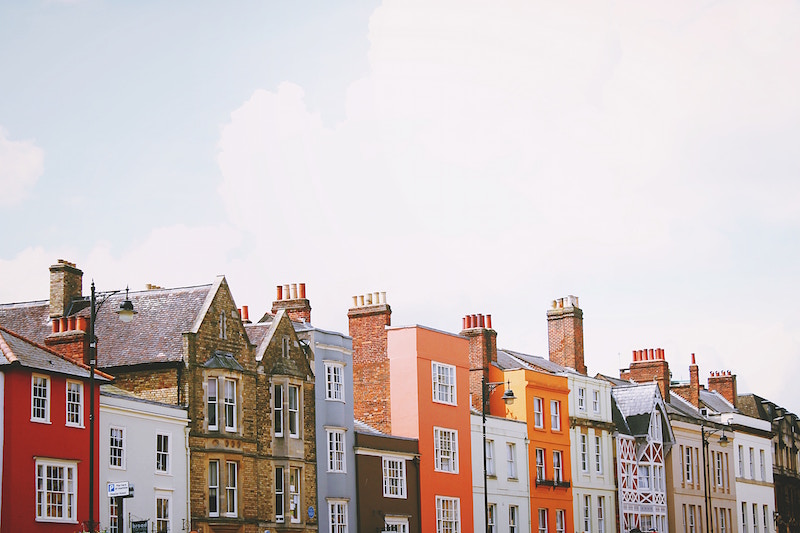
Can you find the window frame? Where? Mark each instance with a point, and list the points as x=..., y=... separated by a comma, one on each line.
x=69, y=495
x=231, y=489
x=212, y=425
x=584, y=451
x=444, y=392
x=595, y=401
x=79, y=422
x=538, y=412
x=295, y=516
x=230, y=405
x=558, y=466
x=598, y=455
x=277, y=410
x=491, y=523
x=542, y=520
x=336, y=450
x=513, y=518
x=337, y=508
x=167, y=521
x=45, y=419
x=394, y=486
x=491, y=471
x=280, y=495
x=541, y=466
x=115, y=525
x=511, y=460
x=334, y=381
x=441, y=454
x=294, y=413
x=561, y=521
x=213, y=488
x=587, y=513
x=122, y=448
x=601, y=515
x=454, y=510
x=166, y=454
x=555, y=415
x=582, y=399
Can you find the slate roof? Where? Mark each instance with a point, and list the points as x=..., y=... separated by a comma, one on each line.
x=16, y=350
x=224, y=361
x=521, y=360
x=716, y=402
x=363, y=427
x=154, y=335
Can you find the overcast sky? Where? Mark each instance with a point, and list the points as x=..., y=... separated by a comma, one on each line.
x=465, y=157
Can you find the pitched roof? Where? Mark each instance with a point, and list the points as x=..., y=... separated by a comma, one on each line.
x=525, y=360
x=17, y=350
x=716, y=402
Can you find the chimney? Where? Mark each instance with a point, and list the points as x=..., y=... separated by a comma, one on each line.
x=368, y=319
x=691, y=391
x=293, y=299
x=66, y=283
x=482, y=352
x=724, y=383
x=565, y=333
x=649, y=365
x=69, y=337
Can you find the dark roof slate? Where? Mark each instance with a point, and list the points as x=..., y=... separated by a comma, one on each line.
x=15, y=349
x=224, y=361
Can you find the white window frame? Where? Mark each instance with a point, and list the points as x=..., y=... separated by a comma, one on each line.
x=601, y=515
x=542, y=519
x=765, y=510
x=162, y=521
x=394, y=477
x=492, y=518
x=719, y=470
x=598, y=455
x=490, y=466
x=538, y=414
x=445, y=455
x=584, y=453
x=443, y=378
x=280, y=495
x=595, y=401
x=448, y=515
x=752, y=463
x=558, y=466
x=115, y=524
x=587, y=514
x=395, y=524
x=336, y=450
x=213, y=487
x=337, y=516
x=334, y=381
x=644, y=477
x=513, y=519
x=763, y=462
x=71, y=403
x=295, y=516
x=689, y=467
x=166, y=454
x=744, y=517
x=581, y=399
x=67, y=494
x=741, y=461
x=231, y=488
x=555, y=415
x=511, y=460
x=230, y=404
x=294, y=412
x=112, y=440
x=277, y=409
x=755, y=517
x=44, y=400
x=561, y=521
x=212, y=404
x=541, y=471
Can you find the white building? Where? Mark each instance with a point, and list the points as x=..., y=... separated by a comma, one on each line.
x=143, y=449
x=507, y=474
x=755, y=492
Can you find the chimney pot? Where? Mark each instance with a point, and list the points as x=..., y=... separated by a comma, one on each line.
x=652, y=356
x=63, y=323
x=369, y=298
x=355, y=301
x=286, y=294
x=481, y=322
x=555, y=304
x=361, y=300
x=302, y=290
x=279, y=295
x=489, y=321
x=83, y=324
x=464, y=323
x=72, y=323
x=634, y=355
x=693, y=360
x=55, y=325
x=294, y=291
x=383, y=297
x=246, y=312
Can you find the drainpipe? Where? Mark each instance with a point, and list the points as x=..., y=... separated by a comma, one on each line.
x=528, y=480
x=188, y=470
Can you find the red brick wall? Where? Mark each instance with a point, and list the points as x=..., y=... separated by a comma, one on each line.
x=642, y=371
x=371, y=379
x=71, y=344
x=482, y=353
x=565, y=337
x=725, y=384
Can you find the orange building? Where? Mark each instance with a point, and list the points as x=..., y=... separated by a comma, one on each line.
x=541, y=401
x=429, y=391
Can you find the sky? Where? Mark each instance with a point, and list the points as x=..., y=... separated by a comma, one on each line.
x=464, y=156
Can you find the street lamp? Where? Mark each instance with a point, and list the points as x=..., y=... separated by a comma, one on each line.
x=723, y=442
x=125, y=313
x=508, y=398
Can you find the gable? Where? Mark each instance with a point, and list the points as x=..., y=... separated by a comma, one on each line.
x=282, y=353
x=219, y=330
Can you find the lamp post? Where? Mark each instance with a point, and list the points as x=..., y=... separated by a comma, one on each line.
x=723, y=442
x=508, y=398
x=125, y=313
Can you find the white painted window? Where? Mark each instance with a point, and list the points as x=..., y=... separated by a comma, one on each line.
x=558, y=467
x=581, y=399
x=755, y=517
x=230, y=405
x=213, y=488
x=744, y=517
x=723, y=528
x=294, y=411
x=584, y=454
x=596, y=401
x=40, y=398
x=691, y=519
x=511, y=460
x=601, y=514
x=539, y=464
x=555, y=415
x=587, y=514
x=741, y=461
x=763, y=465
x=334, y=381
x=752, y=463
x=718, y=460
x=445, y=447
x=490, y=469
x=538, y=415
x=280, y=503
x=444, y=383
x=394, y=477
x=598, y=455
x=765, y=513
x=163, y=454
x=448, y=515
x=277, y=409
x=542, y=520
x=163, y=502
x=294, y=495
x=116, y=447
x=74, y=403
x=561, y=526
x=114, y=524
x=337, y=515
x=336, y=450
x=231, y=488
x=212, y=404
x=56, y=490
x=395, y=524
x=644, y=477
x=513, y=519
x=658, y=478
x=492, y=518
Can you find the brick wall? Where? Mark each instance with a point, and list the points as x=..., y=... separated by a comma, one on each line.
x=292, y=297
x=724, y=383
x=649, y=365
x=66, y=283
x=482, y=352
x=371, y=378
x=565, y=334
x=159, y=384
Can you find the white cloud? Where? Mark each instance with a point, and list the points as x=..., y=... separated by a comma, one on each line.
x=21, y=165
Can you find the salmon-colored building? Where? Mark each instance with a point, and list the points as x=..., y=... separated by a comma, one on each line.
x=429, y=391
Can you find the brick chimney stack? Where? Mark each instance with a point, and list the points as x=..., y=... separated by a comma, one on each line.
x=565, y=333
x=649, y=365
x=69, y=337
x=66, y=283
x=724, y=383
x=690, y=392
x=482, y=352
x=292, y=297
x=368, y=319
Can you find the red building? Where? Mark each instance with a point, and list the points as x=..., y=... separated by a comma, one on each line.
x=44, y=438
